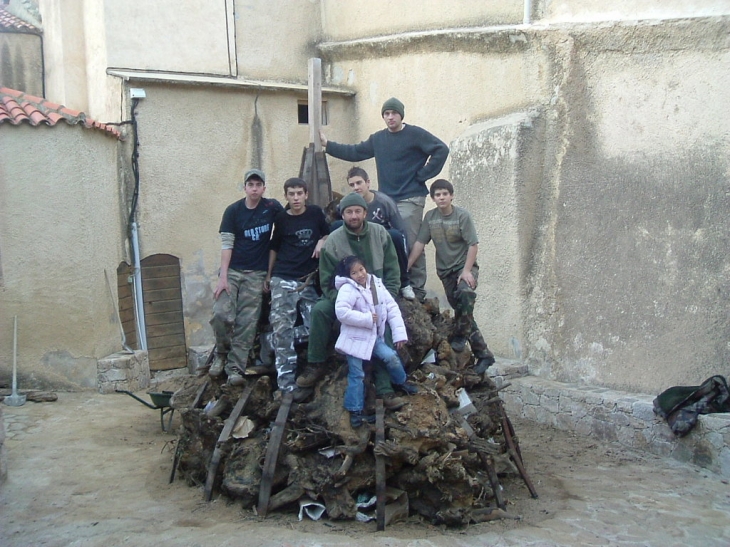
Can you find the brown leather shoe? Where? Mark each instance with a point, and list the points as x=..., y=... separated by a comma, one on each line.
x=391, y=402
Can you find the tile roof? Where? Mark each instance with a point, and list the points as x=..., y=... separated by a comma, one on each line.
x=11, y=22
x=16, y=107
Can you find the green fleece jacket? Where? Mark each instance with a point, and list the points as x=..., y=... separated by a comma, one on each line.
x=373, y=245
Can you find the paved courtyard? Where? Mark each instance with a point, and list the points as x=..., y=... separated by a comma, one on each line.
x=93, y=469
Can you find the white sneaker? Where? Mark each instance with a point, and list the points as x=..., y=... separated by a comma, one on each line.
x=407, y=293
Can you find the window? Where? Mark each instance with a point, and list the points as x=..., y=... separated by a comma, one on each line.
x=303, y=112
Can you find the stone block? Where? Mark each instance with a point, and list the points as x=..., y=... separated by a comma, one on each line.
x=643, y=411
x=128, y=371
x=197, y=356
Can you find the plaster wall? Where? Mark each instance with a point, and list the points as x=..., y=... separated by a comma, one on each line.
x=352, y=20
x=64, y=35
x=60, y=229
x=641, y=278
x=168, y=35
x=465, y=78
x=627, y=10
x=195, y=145
x=21, y=62
x=615, y=203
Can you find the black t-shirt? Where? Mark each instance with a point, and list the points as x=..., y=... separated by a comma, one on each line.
x=252, y=231
x=294, y=240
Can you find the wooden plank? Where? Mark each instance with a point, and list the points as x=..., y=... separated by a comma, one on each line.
x=159, y=260
x=169, y=329
x=160, y=283
x=322, y=179
x=314, y=104
x=161, y=306
x=126, y=315
x=175, y=352
x=515, y=454
x=152, y=272
x=379, y=466
x=166, y=341
x=164, y=294
x=165, y=317
x=168, y=364
x=272, y=453
x=223, y=438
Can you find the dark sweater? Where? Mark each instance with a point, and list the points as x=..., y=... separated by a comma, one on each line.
x=400, y=159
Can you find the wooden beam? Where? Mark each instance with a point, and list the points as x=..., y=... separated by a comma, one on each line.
x=314, y=102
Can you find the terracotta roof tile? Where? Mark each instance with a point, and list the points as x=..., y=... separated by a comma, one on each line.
x=17, y=107
x=10, y=21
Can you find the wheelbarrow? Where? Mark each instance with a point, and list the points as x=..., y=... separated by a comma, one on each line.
x=159, y=401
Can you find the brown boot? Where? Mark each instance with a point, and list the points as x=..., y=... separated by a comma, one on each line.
x=391, y=402
x=311, y=374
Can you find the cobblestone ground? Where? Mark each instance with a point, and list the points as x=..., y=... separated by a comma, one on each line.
x=93, y=470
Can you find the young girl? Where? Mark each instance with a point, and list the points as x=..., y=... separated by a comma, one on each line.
x=364, y=306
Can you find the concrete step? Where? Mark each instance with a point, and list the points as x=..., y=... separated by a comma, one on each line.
x=612, y=416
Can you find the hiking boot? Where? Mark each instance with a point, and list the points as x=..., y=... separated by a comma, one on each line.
x=409, y=388
x=391, y=402
x=458, y=343
x=235, y=379
x=311, y=374
x=216, y=368
x=357, y=418
x=301, y=394
x=483, y=363
x=407, y=293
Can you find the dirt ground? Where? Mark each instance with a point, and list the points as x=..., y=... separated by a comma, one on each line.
x=93, y=469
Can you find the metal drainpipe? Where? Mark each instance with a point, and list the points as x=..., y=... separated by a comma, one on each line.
x=527, y=19
x=138, y=298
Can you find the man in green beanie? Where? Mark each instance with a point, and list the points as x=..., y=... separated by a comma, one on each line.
x=372, y=243
x=406, y=156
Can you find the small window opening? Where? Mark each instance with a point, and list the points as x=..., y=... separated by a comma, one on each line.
x=303, y=113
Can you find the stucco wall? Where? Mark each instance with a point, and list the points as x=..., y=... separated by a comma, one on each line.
x=607, y=226
x=351, y=20
x=21, y=62
x=638, y=290
x=60, y=228
x=195, y=145
x=617, y=10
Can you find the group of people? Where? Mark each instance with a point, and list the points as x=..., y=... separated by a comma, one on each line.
x=349, y=271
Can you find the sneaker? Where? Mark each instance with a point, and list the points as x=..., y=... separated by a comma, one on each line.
x=458, y=343
x=483, y=363
x=391, y=402
x=409, y=388
x=311, y=374
x=407, y=293
x=216, y=368
x=235, y=379
x=357, y=418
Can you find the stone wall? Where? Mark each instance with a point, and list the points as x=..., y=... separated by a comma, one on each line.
x=613, y=416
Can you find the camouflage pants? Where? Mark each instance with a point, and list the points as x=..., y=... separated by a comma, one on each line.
x=236, y=316
x=287, y=298
x=462, y=298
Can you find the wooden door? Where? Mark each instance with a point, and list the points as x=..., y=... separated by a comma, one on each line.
x=163, y=310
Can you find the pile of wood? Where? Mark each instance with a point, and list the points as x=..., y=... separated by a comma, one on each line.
x=440, y=456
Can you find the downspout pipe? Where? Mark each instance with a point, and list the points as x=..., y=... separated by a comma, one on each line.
x=138, y=297
x=134, y=237
x=527, y=18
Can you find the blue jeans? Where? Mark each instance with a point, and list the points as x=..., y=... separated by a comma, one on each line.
x=355, y=392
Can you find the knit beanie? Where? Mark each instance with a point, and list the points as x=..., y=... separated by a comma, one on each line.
x=352, y=199
x=394, y=104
